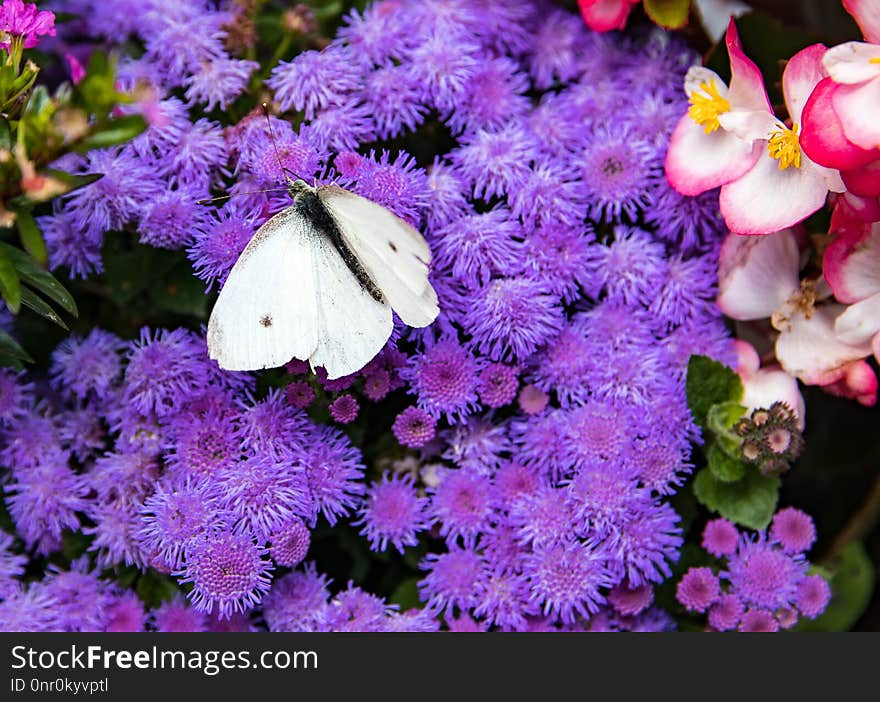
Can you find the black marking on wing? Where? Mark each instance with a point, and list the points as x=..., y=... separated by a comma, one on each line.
x=309, y=205
x=266, y=320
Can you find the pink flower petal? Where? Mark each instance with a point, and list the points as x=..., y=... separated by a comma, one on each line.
x=857, y=106
x=809, y=349
x=852, y=212
x=773, y=385
x=748, y=126
x=800, y=76
x=696, y=161
x=756, y=275
x=858, y=382
x=767, y=199
x=747, y=360
x=697, y=75
x=822, y=137
x=850, y=63
x=863, y=181
x=852, y=265
x=605, y=15
x=747, y=90
x=867, y=14
x=860, y=322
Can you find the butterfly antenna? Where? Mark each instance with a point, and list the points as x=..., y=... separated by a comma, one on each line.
x=284, y=170
x=208, y=201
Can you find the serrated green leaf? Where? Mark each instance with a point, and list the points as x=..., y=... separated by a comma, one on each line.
x=33, y=301
x=40, y=279
x=725, y=468
x=10, y=287
x=709, y=383
x=9, y=347
x=852, y=585
x=671, y=14
x=749, y=502
x=116, y=132
x=31, y=236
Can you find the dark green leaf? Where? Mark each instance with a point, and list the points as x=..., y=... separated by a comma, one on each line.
x=130, y=273
x=32, y=301
x=406, y=594
x=724, y=467
x=11, y=348
x=671, y=14
x=10, y=288
x=720, y=419
x=117, y=131
x=851, y=588
x=40, y=279
x=182, y=293
x=5, y=135
x=74, y=181
x=31, y=237
x=749, y=502
x=709, y=383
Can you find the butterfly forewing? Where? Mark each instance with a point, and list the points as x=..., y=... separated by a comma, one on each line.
x=267, y=312
x=393, y=253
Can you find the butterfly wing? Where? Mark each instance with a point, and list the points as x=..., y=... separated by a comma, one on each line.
x=352, y=325
x=394, y=254
x=267, y=312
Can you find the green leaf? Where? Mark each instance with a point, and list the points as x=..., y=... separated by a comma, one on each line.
x=671, y=14
x=851, y=588
x=182, y=293
x=710, y=383
x=5, y=135
x=10, y=348
x=40, y=279
x=130, y=273
x=406, y=594
x=117, y=131
x=10, y=288
x=31, y=237
x=749, y=502
x=33, y=301
x=725, y=468
x=721, y=419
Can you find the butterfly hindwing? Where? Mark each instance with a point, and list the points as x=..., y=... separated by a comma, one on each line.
x=393, y=253
x=267, y=311
x=352, y=325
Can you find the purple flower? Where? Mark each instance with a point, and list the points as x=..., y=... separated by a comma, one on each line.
x=632, y=268
x=557, y=46
x=84, y=367
x=342, y=126
x=80, y=599
x=548, y=197
x=296, y=600
x=177, y=513
x=344, y=409
x=793, y=530
x=290, y=543
x=813, y=596
x=72, y=244
x=564, y=580
x=218, y=82
x=504, y=600
x=479, y=444
x=720, y=537
x=414, y=427
x=513, y=480
x=126, y=613
x=495, y=163
x=228, y=571
x=565, y=366
x=165, y=368
x=123, y=476
x=494, y=95
x=691, y=223
x=617, y=174
x=392, y=513
x=395, y=99
x=647, y=542
x=115, y=527
x=451, y=580
x=543, y=518
x=264, y=153
x=464, y=504
x=24, y=20
x=378, y=34
x=12, y=566
x=444, y=65
x=398, y=185
x=448, y=195
x=497, y=384
x=315, y=79
x=177, y=615
x=16, y=396
x=476, y=246
x=167, y=221
x=334, y=469
x=763, y=575
x=300, y=394
x=444, y=379
x=197, y=150
x=726, y=613
x=630, y=601
x=218, y=242
x=698, y=589
x=758, y=621
x=27, y=610
x=512, y=317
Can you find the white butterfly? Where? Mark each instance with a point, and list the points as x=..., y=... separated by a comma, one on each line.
x=318, y=282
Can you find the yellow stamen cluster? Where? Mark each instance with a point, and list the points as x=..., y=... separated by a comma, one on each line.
x=707, y=105
x=785, y=148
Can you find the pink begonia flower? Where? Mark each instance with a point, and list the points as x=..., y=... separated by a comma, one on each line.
x=24, y=20
x=852, y=268
x=702, y=154
x=606, y=15
x=785, y=186
x=758, y=279
x=867, y=15
x=764, y=386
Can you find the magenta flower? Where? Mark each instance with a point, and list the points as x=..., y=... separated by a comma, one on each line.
x=19, y=19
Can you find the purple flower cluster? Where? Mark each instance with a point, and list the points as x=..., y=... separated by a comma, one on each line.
x=545, y=422
x=762, y=581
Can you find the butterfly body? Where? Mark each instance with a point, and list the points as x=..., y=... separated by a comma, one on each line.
x=318, y=282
